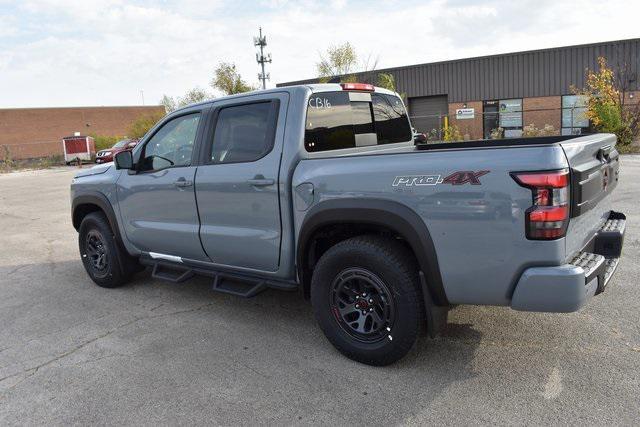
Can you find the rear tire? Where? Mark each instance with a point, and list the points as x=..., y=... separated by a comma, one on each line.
x=367, y=300
x=105, y=260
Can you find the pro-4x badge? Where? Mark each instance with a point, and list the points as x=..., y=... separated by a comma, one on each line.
x=456, y=178
x=463, y=177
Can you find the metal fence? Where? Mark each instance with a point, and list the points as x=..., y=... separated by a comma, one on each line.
x=507, y=124
x=463, y=124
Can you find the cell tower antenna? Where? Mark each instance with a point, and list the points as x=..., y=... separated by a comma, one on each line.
x=261, y=58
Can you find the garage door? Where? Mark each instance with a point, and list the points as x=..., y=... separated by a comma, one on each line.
x=427, y=112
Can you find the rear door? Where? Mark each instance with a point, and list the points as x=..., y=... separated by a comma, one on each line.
x=237, y=183
x=594, y=163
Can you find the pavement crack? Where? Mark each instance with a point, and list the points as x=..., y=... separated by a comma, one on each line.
x=34, y=370
x=16, y=269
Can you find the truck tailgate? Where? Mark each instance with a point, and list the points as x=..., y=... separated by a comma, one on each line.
x=594, y=166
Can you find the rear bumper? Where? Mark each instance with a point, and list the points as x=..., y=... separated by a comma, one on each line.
x=566, y=288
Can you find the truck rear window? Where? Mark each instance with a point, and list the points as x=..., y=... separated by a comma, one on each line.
x=337, y=120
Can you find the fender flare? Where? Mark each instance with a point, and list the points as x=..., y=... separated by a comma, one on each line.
x=100, y=200
x=386, y=213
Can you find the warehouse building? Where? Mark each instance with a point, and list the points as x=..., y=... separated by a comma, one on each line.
x=504, y=93
x=27, y=133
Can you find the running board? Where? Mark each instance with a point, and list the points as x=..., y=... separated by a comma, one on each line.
x=171, y=274
x=241, y=288
x=226, y=282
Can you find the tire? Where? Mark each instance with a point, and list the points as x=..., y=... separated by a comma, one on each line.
x=387, y=272
x=105, y=260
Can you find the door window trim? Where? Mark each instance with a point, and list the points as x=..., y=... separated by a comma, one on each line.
x=207, y=146
x=162, y=124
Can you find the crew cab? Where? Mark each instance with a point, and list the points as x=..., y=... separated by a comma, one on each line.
x=322, y=189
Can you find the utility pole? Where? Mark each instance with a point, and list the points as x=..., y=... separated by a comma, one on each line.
x=261, y=59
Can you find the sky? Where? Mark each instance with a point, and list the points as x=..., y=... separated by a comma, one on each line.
x=98, y=52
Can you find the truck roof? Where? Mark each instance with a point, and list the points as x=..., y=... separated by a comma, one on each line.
x=315, y=87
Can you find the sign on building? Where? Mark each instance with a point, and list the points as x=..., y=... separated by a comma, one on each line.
x=511, y=113
x=465, y=113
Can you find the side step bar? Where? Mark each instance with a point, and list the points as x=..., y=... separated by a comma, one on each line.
x=241, y=285
x=245, y=288
x=169, y=274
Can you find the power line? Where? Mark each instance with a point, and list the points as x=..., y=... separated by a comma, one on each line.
x=261, y=58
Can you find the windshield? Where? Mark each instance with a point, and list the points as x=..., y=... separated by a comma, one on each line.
x=121, y=143
x=337, y=120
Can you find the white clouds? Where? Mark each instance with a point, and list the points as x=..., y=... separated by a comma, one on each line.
x=64, y=52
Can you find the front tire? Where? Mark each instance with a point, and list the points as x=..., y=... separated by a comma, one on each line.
x=367, y=300
x=107, y=262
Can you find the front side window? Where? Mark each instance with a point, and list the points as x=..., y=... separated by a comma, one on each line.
x=338, y=120
x=172, y=145
x=574, y=114
x=244, y=133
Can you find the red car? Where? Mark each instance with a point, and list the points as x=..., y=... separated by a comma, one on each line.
x=105, y=156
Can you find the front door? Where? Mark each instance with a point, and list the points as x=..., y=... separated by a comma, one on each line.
x=237, y=187
x=490, y=118
x=157, y=202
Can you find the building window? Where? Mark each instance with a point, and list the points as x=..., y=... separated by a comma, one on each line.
x=510, y=117
x=574, y=114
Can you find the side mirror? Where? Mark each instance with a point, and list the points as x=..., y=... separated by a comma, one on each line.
x=123, y=160
x=420, y=138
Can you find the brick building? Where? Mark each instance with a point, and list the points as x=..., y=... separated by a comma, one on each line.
x=508, y=91
x=38, y=132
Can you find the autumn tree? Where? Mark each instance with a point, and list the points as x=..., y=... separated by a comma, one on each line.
x=142, y=125
x=227, y=79
x=193, y=96
x=388, y=81
x=338, y=61
x=606, y=107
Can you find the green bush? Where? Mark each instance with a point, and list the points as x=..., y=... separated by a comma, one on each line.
x=103, y=141
x=142, y=125
x=452, y=133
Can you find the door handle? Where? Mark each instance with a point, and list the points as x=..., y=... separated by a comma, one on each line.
x=181, y=183
x=261, y=182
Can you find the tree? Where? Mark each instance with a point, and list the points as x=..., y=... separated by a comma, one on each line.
x=169, y=103
x=195, y=95
x=388, y=81
x=227, y=79
x=339, y=61
x=142, y=125
x=606, y=103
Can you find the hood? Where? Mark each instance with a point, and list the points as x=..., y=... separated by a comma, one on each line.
x=96, y=170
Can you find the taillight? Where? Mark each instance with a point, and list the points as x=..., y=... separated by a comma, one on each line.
x=548, y=218
x=357, y=86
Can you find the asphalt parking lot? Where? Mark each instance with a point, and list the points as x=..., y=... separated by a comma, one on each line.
x=160, y=353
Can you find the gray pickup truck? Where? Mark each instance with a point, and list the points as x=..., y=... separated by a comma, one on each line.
x=325, y=189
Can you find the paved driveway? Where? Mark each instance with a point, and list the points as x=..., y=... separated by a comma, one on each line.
x=161, y=353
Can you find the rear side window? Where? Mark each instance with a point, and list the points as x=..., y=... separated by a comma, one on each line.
x=337, y=120
x=244, y=133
